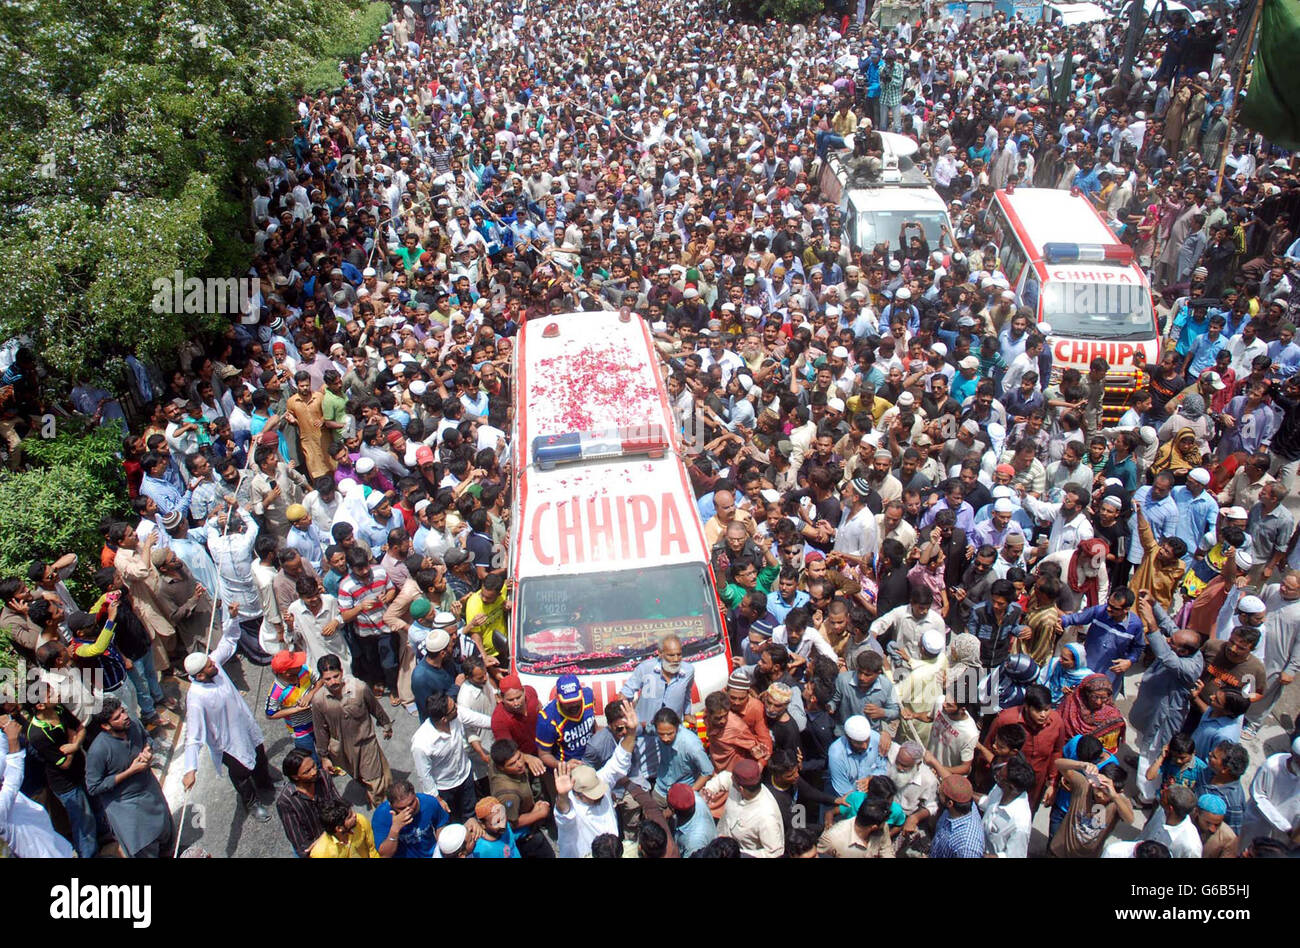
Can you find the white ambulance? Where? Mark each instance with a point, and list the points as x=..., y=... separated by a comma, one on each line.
x=1065, y=264
x=608, y=554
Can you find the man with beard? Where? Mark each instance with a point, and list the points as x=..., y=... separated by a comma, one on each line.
x=773, y=668
x=879, y=478
x=858, y=538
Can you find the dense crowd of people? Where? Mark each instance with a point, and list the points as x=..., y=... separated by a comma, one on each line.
x=958, y=587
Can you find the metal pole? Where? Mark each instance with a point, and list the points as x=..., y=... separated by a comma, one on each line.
x=1247, y=48
x=1136, y=27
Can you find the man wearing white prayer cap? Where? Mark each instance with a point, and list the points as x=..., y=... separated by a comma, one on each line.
x=217, y=715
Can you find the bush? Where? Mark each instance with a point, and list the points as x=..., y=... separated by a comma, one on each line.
x=94, y=448
x=51, y=513
x=356, y=35
x=75, y=480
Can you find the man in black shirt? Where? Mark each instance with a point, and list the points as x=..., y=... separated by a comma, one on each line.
x=1286, y=441
x=58, y=738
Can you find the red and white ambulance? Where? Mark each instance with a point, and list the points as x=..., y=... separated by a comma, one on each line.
x=608, y=554
x=1066, y=264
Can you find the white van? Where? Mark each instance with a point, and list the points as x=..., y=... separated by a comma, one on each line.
x=875, y=201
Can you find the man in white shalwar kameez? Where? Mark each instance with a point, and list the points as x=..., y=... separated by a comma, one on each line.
x=217, y=715
x=1274, y=806
x=1279, y=646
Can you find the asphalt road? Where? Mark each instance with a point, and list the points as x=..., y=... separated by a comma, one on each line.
x=215, y=822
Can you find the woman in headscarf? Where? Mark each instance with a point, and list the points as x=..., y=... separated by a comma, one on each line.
x=1065, y=672
x=1178, y=455
x=1189, y=413
x=1090, y=710
x=963, y=654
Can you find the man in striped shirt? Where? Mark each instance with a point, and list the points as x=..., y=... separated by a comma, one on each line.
x=289, y=699
x=363, y=596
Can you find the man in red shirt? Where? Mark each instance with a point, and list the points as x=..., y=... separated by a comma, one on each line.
x=1044, y=735
x=515, y=717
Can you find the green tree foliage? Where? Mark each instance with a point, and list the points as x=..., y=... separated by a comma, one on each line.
x=787, y=11
x=61, y=510
x=94, y=448
x=75, y=480
x=348, y=44
x=130, y=128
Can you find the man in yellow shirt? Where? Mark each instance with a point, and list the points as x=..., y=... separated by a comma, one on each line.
x=347, y=835
x=485, y=614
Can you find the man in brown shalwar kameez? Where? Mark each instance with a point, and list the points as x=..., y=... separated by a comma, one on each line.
x=314, y=439
x=343, y=715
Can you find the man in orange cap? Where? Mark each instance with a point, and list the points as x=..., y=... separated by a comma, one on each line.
x=289, y=699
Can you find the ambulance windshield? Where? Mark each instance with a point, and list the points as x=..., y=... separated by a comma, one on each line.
x=611, y=621
x=1098, y=310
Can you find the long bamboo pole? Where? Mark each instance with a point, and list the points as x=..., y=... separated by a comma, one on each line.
x=1238, y=81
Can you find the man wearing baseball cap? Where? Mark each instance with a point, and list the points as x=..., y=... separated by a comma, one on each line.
x=566, y=724
x=289, y=699
x=751, y=816
x=583, y=806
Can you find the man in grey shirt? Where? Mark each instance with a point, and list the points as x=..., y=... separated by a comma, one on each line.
x=117, y=772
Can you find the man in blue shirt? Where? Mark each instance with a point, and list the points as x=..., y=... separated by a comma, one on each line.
x=959, y=833
x=1161, y=512
x=1086, y=179
x=303, y=536
x=855, y=757
x=1283, y=350
x=1114, y=638
x=1192, y=322
x=1198, y=511
x=682, y=757
x=865, y=691
x=161, y=491
x=786, y=596
x=437, y=673
x=664, y=681
x=566, y=724
x=498, y=839
x=406, y=825
x=373, y=529
x=693, y=826
x=1202, y=353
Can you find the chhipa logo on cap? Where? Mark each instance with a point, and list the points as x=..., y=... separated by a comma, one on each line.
x=569, y=688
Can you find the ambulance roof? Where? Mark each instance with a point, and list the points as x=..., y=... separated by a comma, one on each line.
x=897, y=199
x=595, y=371
x=592, y=371
x=607, y=515
x=1045, y=216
